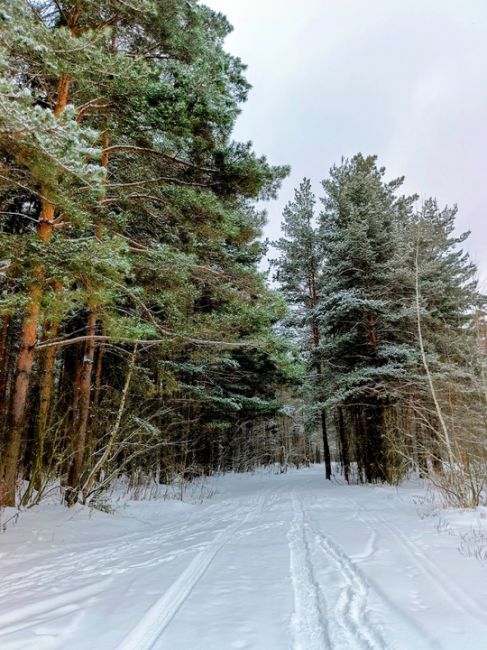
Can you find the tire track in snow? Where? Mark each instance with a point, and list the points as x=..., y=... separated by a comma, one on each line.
x=32, y=613
x=123, y=553
x=309, y=620
x=157, y=618
x=73, y=573
x=457, y=597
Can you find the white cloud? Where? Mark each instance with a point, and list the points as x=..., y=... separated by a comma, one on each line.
x=404, y=80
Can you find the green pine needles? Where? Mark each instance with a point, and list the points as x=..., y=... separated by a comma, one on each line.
x=132, y=246
x=386, y=309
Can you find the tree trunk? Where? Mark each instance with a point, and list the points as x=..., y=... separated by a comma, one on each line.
x=45, y=397
x=46, y=386
x=98, y=374
x=81, y=423
x=25, y=362
x=76, y=389
x=4, y=349
x=343, y=444
x=443, y=426
x=326, y=446
x=319, y=376
x=26, y=356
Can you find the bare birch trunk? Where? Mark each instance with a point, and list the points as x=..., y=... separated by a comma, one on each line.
x=444, y=428
x=87, y=487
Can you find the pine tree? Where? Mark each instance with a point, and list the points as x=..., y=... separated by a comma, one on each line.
x=447, y=298
x=399, y=327
x=130, y=218
x=356, y=310
x=298, y=270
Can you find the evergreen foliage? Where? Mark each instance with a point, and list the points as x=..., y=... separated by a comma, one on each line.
x=137, y=334
x=131, y=243
x=397, y=321
x=298, y=271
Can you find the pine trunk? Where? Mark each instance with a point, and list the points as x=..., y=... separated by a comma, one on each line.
x=25, y=362
x=28, y=338
x=319, y=376
x=81, y=424
x=4, y=349
x=98, y=375
x=326, y=446
x=343, y=444
x=45, y=398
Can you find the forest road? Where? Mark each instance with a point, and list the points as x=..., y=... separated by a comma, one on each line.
x=269, y=562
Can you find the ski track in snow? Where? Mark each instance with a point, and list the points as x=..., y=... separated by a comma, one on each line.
x=153, y=624
x=119, y=558
x=458, y=598
x=422, y=636
x=351, y=610
x=124, y=556
x=352, y=605
x=283, y=562
x=309, y=618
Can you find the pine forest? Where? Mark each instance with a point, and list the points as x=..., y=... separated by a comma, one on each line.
x=139, y=336
x=243, y=403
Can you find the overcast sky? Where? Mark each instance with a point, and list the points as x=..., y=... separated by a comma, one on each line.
x=403, y=79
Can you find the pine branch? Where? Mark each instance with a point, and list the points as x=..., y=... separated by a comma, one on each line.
x=158, y=181
x=61, y=343
x=162, y=154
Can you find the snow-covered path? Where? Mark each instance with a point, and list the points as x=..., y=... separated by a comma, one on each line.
x=271, y=562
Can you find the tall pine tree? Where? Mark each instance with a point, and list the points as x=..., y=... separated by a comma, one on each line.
x=298, y=271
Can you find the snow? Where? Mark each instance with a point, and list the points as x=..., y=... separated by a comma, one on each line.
x=269, y=562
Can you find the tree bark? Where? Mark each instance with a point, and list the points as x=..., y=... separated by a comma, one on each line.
x=4, y=349
x=343, y=444
x=45, y=398
x=46, y=386
x=319, y=376
x=81, y=423
x=26, y=355
x=25, y=362
x=98, y=374
x=326, y=446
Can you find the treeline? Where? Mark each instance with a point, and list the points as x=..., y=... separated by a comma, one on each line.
x=385, y=307
x=137, y=335
x=136, y=331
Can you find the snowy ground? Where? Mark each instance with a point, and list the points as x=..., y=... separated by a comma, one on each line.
x=270, y=562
